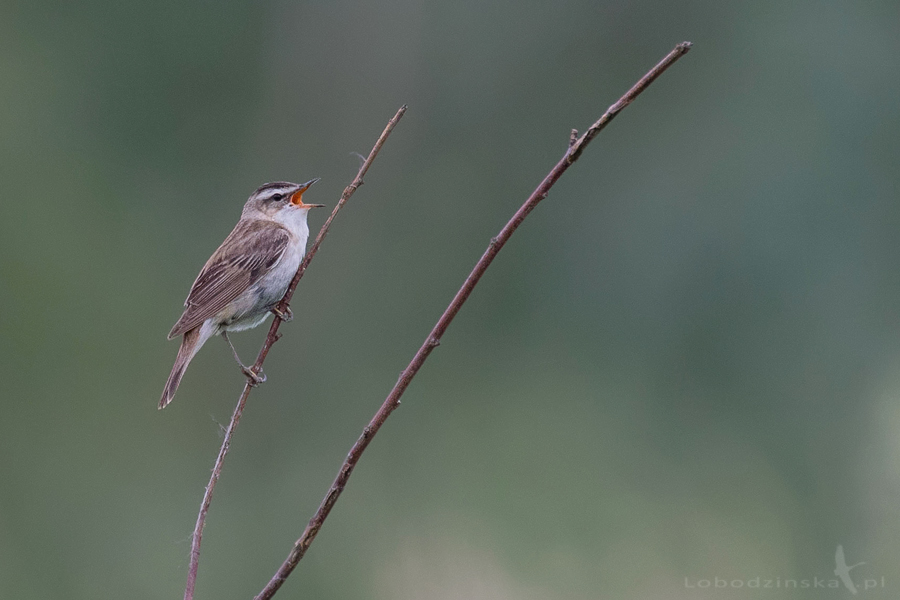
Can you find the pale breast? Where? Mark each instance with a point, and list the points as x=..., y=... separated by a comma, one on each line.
x=272, y=286
x=253, y=305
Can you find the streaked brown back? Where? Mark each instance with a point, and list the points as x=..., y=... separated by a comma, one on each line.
x=248, y=253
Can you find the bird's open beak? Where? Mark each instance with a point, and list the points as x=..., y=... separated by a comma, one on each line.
x=297, y=197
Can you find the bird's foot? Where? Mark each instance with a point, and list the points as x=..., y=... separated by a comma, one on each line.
x=285, y=315
x=254, y=377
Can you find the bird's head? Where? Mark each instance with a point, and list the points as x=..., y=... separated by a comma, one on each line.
x=278, y=200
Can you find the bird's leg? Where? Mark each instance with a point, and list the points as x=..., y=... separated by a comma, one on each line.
x=254, y=377
x=285, y=315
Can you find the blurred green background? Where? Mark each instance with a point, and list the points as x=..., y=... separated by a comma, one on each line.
x=685, y=365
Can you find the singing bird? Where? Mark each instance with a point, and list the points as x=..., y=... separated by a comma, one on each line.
x=246, y=276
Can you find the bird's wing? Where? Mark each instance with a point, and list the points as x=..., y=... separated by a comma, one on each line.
x=248, y=253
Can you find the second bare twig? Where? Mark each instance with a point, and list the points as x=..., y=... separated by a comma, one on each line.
x=434, y=338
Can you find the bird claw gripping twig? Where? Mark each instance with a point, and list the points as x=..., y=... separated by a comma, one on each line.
x=254, y=377
x=286, y=315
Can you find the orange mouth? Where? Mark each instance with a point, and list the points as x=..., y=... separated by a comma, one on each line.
x=297, y=197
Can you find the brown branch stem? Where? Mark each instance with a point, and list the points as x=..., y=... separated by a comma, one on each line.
x=434, y=338
x=271, y=338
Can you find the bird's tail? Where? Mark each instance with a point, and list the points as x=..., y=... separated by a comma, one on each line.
x=190, y=344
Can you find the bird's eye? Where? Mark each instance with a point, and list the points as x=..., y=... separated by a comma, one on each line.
x=277, y=197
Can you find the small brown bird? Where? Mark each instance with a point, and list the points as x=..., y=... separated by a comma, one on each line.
x=245, y=278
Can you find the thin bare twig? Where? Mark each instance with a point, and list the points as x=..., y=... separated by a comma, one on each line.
x=434, y=338
x=271, y=338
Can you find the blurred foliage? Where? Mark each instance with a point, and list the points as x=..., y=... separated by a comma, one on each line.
x=686, y=364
